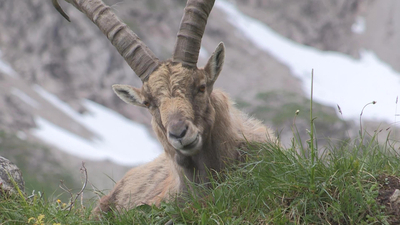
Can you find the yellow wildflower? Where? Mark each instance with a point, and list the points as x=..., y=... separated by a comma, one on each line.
x=38, y=220
x=30, y=219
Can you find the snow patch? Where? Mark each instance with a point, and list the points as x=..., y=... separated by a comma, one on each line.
x=119, y=139
x=56, y=102
x=24, y=97
x=359, y=26
x=338, y=78
x=203, y=53
x=67, y=141
x=5, y=68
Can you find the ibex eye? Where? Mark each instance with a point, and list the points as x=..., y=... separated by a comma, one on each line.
x=202, y=88
x=146, y=103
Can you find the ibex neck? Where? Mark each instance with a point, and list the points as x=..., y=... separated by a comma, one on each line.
x=219, y=146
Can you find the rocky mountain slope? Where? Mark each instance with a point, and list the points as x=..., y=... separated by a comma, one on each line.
x=74, y=61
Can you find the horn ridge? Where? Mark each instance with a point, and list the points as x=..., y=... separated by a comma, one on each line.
x=193, y=23
x=138, y=56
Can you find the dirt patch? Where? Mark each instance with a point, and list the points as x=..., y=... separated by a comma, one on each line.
x=388, y=185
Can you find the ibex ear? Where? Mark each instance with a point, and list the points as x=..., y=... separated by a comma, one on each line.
x=215, y=62
x=129, y=94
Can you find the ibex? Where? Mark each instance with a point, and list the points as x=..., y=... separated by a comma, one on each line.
x=198, y=126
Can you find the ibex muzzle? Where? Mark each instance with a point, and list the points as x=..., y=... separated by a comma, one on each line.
x=183, y=135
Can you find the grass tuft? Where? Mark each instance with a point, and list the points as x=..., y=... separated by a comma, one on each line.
x=272, y=186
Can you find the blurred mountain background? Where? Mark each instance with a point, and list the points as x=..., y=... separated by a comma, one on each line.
x=56, y=74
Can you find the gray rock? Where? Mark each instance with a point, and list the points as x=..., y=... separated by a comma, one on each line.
x=10, y=170
x=395, y=198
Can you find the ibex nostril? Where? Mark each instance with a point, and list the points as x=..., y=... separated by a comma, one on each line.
x=178, y=133
x=184, y=132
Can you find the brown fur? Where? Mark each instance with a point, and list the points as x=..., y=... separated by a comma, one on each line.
x=172, y=94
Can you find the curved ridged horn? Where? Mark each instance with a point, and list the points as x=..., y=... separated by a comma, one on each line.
x=191, y=31
x=60, y=10
x=139, y=57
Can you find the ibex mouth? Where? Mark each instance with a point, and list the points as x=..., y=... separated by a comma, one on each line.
x=192, y=144
x=192, y=147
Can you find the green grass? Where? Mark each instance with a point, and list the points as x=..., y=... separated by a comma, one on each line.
x=275, y=186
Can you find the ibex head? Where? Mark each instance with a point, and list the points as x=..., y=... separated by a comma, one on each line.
x=176, y=92
x=178, y=97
